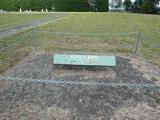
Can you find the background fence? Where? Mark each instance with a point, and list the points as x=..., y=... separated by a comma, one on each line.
x=89, y=42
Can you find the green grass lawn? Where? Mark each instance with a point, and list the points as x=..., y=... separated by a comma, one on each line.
x=89, y=23
x=149, y=25
x=14, y=49
x=13, y=19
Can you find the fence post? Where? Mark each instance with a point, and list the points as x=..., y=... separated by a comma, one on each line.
x=33, y=39
x=138, y=42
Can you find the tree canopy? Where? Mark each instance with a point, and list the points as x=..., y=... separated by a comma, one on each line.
x=71, y=5
x=15, y=5
x=56, y=5
x=143, y=6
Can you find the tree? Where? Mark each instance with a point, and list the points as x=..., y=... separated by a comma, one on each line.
x=136, y=7
x=148, y=6
x=127, y=4
x=102, y=5
x=145, y=6
x=71, y=5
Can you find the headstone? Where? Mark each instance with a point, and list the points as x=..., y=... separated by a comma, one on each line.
x=89, y=60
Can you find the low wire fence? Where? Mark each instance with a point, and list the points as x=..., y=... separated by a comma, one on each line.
x=32, y=87
x=89, y=42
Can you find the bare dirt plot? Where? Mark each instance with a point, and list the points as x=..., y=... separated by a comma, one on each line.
x=28, y=100
x=39, y=65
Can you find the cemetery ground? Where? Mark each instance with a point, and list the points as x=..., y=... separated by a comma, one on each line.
x=29, y=56
x=13, y=19
x=12, y=23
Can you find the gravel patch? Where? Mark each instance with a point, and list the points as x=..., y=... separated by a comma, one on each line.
x=149, y=71
x=140, y=111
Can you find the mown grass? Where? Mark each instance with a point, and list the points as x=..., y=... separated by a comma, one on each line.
x=13, y=19
x=14, y=49
x=86, y=42
x=149, y=25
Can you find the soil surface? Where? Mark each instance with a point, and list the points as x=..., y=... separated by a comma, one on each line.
x=40, y=101
x=7, y=32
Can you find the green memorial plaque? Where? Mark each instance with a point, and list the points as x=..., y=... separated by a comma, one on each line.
x=91, y=60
